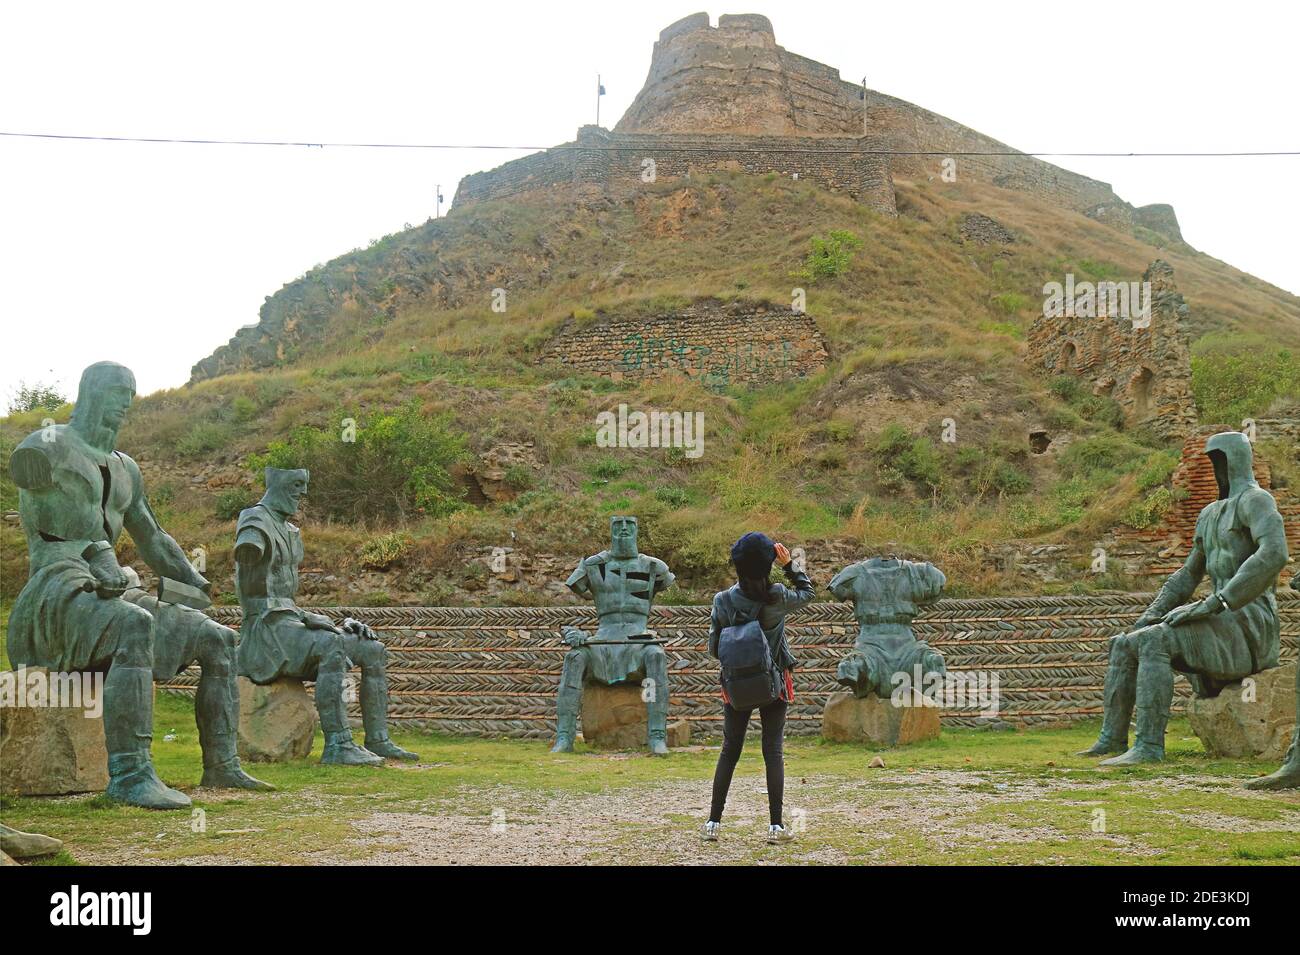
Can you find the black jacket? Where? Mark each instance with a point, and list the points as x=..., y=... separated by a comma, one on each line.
x=732, y=606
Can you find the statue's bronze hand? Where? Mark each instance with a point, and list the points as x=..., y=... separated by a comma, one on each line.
x=573, y=636
x=110, y=579
x=315, y=621
x=1188, y=613
x=359, y=629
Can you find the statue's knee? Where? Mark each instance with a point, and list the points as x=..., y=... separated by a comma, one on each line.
x=216, y=645
x=135, y=640
x=1121, y=648
x=371, y=654
x=331, y=654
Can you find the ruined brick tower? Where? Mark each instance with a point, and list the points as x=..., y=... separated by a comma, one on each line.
x=1146, y=368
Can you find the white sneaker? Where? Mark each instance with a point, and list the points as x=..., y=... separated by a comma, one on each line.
x=710, y=831
x=778, y=834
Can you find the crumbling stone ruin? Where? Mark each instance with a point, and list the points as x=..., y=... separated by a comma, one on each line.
x=984, y=230
x=716, y=343
x=1144, y=365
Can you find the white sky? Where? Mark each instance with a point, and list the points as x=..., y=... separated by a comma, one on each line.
x=153, y=255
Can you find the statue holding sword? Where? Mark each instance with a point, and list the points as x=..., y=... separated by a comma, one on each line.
x=81, y=611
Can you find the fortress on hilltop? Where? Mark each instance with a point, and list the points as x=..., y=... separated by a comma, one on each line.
x=730, y=97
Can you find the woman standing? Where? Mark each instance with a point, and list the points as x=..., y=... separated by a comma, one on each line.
x=754, y=597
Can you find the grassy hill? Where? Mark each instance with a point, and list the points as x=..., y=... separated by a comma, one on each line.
x=922, y=326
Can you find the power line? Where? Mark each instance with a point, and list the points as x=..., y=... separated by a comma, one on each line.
x=659, y=147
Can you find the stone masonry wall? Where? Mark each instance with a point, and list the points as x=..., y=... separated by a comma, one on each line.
x=719, y=344
x=493, y=671
x=618, y=162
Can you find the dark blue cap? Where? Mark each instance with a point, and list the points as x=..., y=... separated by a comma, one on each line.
x=753, y=555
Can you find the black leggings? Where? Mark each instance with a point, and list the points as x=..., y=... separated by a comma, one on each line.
x=734, y=724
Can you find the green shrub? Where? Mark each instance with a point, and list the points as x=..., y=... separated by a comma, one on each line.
x=243, y=409
x=1157, y=470
x=608, y=468
x=380, y=553
x=399, y=463
x=1011, y=302
x=916, y=458
x=1148, y=511
x=1236, y=376
x=1100, y=453
x=231, y=501
x=520, y=477
x=203, y=437
x=672, y=496
x=829, y=255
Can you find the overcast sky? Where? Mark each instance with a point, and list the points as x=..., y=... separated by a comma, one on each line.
x=154, y=255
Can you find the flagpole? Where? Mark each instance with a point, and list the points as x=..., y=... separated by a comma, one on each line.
x=597, y=99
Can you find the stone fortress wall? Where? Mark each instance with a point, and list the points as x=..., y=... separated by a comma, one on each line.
x=616, y=162
x=730, y=97
x=719, y=344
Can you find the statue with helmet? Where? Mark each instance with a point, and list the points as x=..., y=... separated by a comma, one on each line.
x=1240, y=544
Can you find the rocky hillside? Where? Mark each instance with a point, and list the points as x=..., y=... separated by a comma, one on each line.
x=445, y=384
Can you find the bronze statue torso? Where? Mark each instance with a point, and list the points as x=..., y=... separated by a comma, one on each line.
x=84, y=498
x=271, y=580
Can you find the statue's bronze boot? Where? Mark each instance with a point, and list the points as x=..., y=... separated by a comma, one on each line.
x=231, y=775
x=1155, y=681
x=658, y=742
x=128, y=733
x=1120, y=694
x=340, y=750
x=374, y=716
x=388, y=749
x=132, y=780
x=1287, y=777
x=216, y=711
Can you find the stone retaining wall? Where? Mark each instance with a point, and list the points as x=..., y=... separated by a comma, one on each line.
x=720, y=344
x=494, y=671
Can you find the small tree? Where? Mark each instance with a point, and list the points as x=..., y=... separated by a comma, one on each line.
x=830, y=255
x=31, y=397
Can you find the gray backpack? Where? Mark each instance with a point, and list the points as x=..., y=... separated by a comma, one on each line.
x=749, y=675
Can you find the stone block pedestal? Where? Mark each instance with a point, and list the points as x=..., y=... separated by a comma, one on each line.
x=848, y=719
x=277, y=722
x=614, y=717
x=51, y=750
x=1248, y=719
